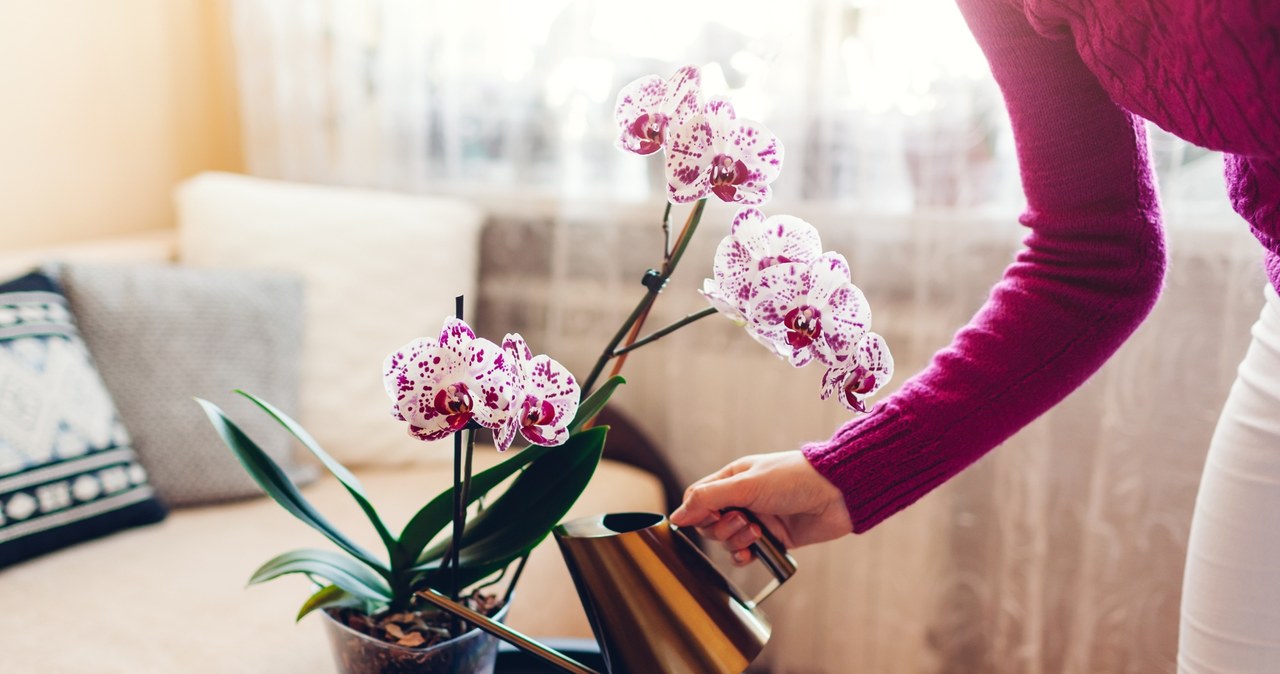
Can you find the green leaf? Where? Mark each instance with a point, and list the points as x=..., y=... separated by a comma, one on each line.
x=438, y=513
x=330, y=596
x=268, y=474
x=334, y=567
x=337, y=469
x=589, y=408
x=522, y=516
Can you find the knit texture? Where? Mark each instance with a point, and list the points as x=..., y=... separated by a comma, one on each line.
x=1073, y=74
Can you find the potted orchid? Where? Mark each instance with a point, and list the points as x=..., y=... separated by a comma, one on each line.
x=770, y=276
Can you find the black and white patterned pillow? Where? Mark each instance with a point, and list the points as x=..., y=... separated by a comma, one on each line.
x=67, y=470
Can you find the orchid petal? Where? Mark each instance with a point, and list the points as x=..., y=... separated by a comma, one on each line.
x=553, y=393
x=688, y=154
x=490, y=367
x=747, y=223
x=719, y=111
x=638, y=99
x=684, y=95
x=866, y=373
x=717, y=298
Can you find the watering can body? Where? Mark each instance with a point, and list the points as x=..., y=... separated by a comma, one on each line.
x=656, y=603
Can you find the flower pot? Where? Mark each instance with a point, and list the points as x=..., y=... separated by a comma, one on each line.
x=354, y=652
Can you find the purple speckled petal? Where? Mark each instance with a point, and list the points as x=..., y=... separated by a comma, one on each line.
x=778, y=290
x=789, y=237
x=395, y=368
x=554, y=388
x=733, y=270
x=830, y=271
x=719, y=112
x=760, y=153
x=717, y=298
x=514, y=344
x=492, y=370
x=862, y=376
x=684, y=95
x=874, y=355
x=747, y=223
x=438, y=430
x=505, y=434
x=428, y=372
x=847, y=315
x=639, y=98
x=688, y=156
x=456, y=336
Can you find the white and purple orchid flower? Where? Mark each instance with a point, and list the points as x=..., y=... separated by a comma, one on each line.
x=439, y=387
x=865, y=372
x=648, y=107
x=717, y=153
x=546, y=398
x=754, y=244
x=808, y=311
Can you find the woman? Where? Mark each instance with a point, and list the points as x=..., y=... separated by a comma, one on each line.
x=1076, y=76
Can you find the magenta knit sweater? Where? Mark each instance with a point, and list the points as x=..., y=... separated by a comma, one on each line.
x=1075, y=74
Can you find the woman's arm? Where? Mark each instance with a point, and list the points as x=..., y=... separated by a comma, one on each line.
x=1091, y=271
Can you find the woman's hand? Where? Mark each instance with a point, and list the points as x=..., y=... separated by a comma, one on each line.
x=798, y=505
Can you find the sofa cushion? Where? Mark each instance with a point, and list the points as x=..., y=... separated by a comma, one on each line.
x=380, y=269
x=172, y=598
x=163, y=335
x=68, y=472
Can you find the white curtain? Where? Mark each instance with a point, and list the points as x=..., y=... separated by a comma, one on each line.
x=1062, y=551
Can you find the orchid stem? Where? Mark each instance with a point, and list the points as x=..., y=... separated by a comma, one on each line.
x=666, y=232
x=459, y=508
x=631, y=327
x=515, y=577
x=655, y=336
x=458, y=516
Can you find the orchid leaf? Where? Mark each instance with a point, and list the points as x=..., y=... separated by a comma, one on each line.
x=589, y=408
x=334, y=567
x=339, y=471
x=522, y=516
x=273, y=480
x=438, y=513
x=331, y=596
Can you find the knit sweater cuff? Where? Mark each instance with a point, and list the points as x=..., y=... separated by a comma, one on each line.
x=877, y=466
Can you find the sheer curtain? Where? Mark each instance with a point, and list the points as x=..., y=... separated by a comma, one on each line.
x=1060, y=552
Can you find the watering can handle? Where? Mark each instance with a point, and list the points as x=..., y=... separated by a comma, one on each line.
x=772, y=553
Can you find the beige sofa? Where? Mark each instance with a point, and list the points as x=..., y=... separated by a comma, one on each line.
x=171, y=597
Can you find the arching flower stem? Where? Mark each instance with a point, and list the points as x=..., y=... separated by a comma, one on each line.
x=655, y=336
x=630, y=328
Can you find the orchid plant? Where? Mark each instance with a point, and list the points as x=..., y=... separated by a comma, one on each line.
x=770, y=276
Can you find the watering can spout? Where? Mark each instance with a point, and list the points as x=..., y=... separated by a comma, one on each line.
x=655, y=602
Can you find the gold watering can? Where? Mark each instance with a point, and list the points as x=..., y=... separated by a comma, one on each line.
x=655, y=602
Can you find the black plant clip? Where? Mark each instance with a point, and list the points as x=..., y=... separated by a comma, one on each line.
x=653, y=281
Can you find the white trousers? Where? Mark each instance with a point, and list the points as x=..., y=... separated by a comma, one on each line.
x=1231, y=589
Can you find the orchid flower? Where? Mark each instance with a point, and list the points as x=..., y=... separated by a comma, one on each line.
x=870, y=368
x=546, y=398
x=807, y=311
x=440, y=387
x=717, y=153
x=649, y=106
x=753, y=245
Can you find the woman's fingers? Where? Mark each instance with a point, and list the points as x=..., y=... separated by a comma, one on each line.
x=707, y=499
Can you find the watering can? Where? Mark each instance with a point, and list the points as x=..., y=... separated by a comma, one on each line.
x=656, y=603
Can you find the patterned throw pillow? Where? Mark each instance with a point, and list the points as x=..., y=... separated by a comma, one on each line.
x=67, y=470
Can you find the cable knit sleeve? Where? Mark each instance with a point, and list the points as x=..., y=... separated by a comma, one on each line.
x=1092, y=267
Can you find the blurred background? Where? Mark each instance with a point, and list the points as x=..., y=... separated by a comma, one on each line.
x=1061, y=552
